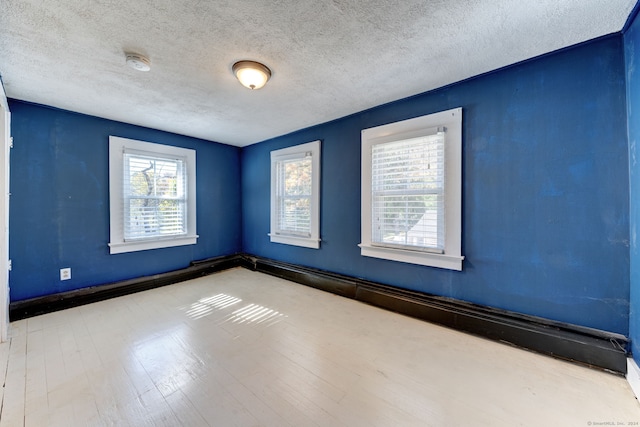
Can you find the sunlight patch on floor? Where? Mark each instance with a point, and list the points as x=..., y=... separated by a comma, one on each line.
x=254, y=313
x=205, y=306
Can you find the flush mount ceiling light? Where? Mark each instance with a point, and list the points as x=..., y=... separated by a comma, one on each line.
x=251, y=74
x=138, y=62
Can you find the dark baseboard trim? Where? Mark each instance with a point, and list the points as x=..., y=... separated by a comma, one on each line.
x=587, y=346
x=592, y=347
x=50, y=303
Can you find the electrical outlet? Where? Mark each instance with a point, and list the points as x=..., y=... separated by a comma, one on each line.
x=65, y=273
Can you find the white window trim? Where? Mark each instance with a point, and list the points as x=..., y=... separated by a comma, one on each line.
x=313, y=241
x=117, y=244
x=452, y=120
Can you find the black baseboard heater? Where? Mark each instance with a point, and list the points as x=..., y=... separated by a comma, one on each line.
x=592, y=347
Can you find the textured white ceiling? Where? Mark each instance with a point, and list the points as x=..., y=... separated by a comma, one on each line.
x=329, y=58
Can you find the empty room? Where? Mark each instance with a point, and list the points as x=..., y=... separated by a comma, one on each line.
x=319, y=213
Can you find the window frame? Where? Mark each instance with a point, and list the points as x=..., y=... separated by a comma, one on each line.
x=291, y=153
x=117, y=243
x=451, y=258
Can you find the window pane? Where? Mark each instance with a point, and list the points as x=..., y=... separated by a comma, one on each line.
x=155, y=189
x=406, y=220
x=296, y=215
x=297, y=177
x=294, y=196
x=408, y=193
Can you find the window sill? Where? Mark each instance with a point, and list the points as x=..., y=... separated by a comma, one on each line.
x=123, y=247
x=449, y=262
x=306, y=242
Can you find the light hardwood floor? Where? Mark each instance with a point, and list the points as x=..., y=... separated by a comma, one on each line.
x=240, y=348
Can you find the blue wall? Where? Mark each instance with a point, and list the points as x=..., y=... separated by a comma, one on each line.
x=632, y=57
x=60, y=202
x=545, y=190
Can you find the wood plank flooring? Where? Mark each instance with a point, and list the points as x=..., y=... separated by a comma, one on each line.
x=239, y=348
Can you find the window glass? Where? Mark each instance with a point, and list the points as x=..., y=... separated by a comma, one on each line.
x=408, y=193
x=155, y=202
x=294, y=192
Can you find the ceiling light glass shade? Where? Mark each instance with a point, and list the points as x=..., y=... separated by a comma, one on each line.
x=251, y=74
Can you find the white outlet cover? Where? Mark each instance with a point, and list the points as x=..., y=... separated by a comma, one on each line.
x=65, y=273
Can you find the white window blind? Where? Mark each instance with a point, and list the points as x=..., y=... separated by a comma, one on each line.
x=293, y=195
x=155, y=202
x=407, y=193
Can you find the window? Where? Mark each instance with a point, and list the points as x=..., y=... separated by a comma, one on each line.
x=411, y=190
x=152, y=195
x=295, y=195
